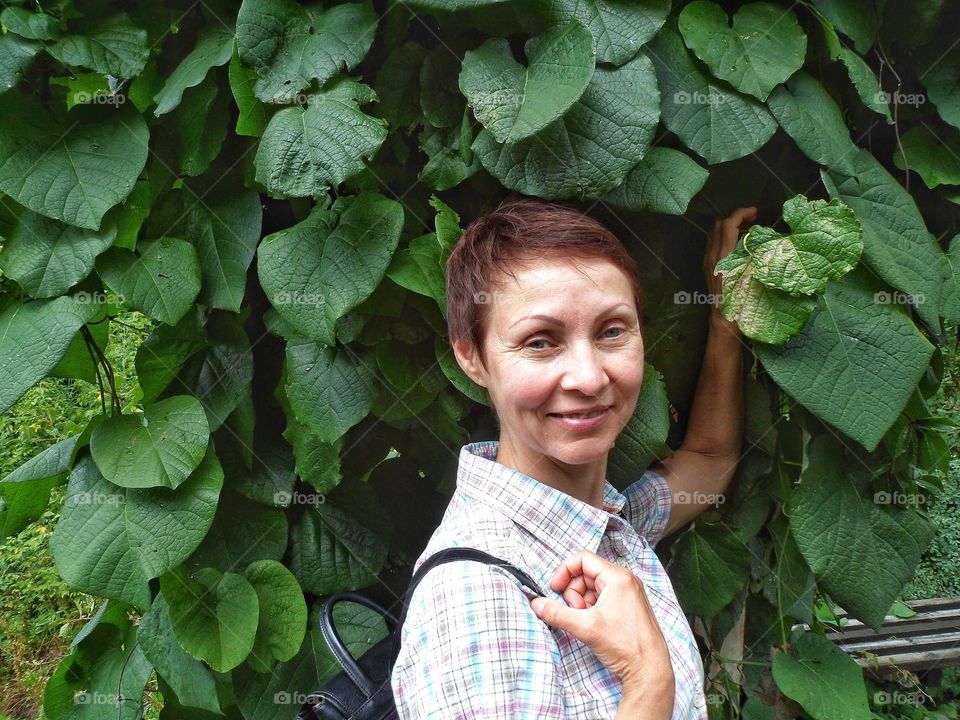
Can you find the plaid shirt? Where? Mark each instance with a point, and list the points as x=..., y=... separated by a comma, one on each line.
x=471, y=646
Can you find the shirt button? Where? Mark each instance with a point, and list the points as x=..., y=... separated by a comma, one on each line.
x=700, y=700
x=622, y=562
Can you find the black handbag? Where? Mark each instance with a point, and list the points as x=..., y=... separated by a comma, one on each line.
x=362, y=690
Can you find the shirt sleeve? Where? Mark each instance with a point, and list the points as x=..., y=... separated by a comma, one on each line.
x=648, y=505
x=471, y=648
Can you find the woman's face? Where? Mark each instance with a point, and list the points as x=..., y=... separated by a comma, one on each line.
x=562, y=338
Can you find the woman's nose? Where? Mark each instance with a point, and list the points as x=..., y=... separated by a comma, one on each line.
x=584, y=370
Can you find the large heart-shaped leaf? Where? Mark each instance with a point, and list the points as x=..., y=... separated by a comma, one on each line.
x=290, y=45
x=162, y=281
x=644, y=437
x=931, y=155
x=845, y=536
x=25, y=492
x=764, y=46
x=592, y=147
x=317, y=271
x=824, y=244
x=72, y=170
x=242, y=532
x=33, y=338
x=330, y=390
x=47, y=258
x=619, y=28
x=283, y=614
x=709, y=565
x=826, y=681
x=715, y=121
x=159, y=448
x=214, y=615
x=856, y=361
x=304, y=152
x=28, y=24
x=331, y=552
x=514, y=102
x=16, y=55
x=112, y=541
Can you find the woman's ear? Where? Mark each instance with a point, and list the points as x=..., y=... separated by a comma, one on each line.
x=469, y=361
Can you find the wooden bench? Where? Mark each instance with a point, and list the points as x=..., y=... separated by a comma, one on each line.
x=925, y=642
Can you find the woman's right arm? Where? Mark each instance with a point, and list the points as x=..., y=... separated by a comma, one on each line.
x=608, y=610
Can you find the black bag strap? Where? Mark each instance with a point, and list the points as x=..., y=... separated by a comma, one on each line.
x=339, y=649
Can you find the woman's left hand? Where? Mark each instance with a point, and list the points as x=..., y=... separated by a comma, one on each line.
x=723, y=239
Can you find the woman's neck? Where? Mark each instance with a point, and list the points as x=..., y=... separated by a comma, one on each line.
x=585, y=482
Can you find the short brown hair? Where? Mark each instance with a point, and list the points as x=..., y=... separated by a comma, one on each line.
x=522, y=231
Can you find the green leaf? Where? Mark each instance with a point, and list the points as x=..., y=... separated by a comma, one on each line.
x=214, y=615
x=763, y=48
x=162, y=282
x=113, y=46
x=441, y=103
x=807, y=113
x=862, y=555
x=213, y=49
x=664, y=182
x=283, y=614
x=450, y=159
x=330, y=390
x=762, y=313
x=25, y=492
x=16, y=55
x=896, y=243
x=242, y=532
x=715, y=121
x=941, y=78
x=709, y=565
x=76, y=361
x=317, y=271
x=47, y=258
x=290, y=46
x=165, y=351
x=317, y=462
x=618, y=28
x=71, y=172
x=112, y=541
x=331, y=552
x=33, y=338
x=592, y=147
x=826, y=681
x=856, y=361
x=30, y=25
x=933, y=157
x=824, y=244
x=305, y=152
x=643, y=439
x=513, y=102
x=160, y=447
x=191, y=681
x=398, y=85
x=866, y=83
x=200, y=123
x=790, y=587
x=251, y=118
x=858, y=19
x=271, y=475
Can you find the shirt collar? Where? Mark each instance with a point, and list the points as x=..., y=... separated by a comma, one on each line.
x=563, y=522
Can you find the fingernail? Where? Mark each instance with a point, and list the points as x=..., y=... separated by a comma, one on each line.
x=537, y=605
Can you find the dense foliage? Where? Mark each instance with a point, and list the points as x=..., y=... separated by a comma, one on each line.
x=298, y=418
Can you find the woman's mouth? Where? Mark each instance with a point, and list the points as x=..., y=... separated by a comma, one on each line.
x=581, y=421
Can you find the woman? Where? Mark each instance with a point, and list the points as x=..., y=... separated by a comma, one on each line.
x=543, y=309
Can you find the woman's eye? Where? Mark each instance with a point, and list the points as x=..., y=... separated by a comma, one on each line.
x=529, y=345
x=619, y=329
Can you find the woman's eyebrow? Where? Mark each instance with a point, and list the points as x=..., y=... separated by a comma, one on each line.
x=555, y=321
